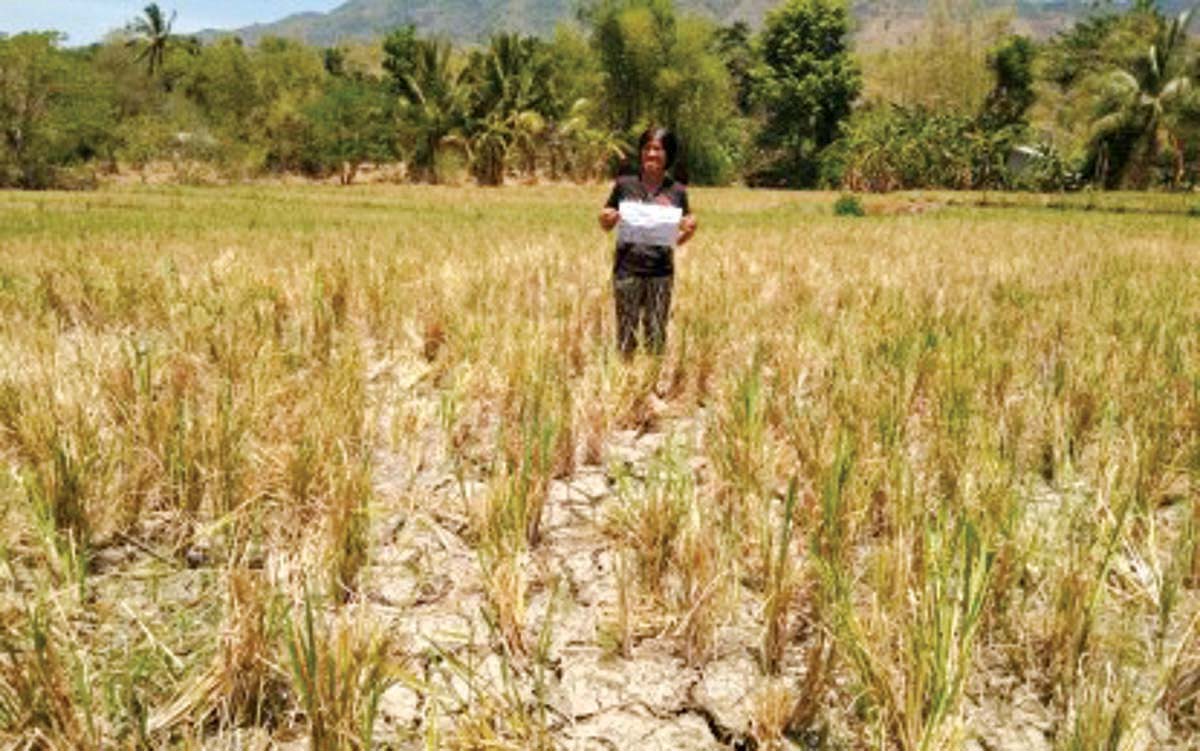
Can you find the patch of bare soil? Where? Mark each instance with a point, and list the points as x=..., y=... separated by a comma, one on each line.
x=426, y=585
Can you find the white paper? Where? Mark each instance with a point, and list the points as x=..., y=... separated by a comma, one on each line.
x=648, y=223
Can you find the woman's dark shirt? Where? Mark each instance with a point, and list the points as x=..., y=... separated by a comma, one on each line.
x=635, y=259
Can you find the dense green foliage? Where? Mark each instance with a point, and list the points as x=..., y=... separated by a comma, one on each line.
x=1122, y=90
x=512, y=99
x=1110, y=102
x=349, y=125
x=1139, y=117
x=53, y=112
x=431, y=97
x=660, y=67
x=809, y=83
x=1010, y=98
x=892, y=147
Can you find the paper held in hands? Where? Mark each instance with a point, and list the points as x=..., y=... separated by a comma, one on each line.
x=648, y=223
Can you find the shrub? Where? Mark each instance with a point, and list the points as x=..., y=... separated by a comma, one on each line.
x=848, y=205
x=896, y=148
x=52, y=112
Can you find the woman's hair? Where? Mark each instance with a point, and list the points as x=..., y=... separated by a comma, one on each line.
x=664, y=136
x=670, y=143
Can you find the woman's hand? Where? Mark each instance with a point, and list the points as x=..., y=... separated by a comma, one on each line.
x=687, y=228
x=609, y=218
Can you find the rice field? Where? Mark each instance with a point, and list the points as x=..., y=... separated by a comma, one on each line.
x=307, y=467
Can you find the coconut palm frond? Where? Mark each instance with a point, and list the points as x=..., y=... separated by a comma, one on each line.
x=153, y=32
x=1113, y=122
x=1121, y=84
x=1176, y=87
x=1179, y=26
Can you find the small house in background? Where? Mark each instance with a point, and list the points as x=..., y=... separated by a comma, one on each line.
x=1022, y=159
x=1040, y=168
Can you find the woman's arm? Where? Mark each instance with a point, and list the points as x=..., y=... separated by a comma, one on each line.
x=610, y=215
x=609, y=218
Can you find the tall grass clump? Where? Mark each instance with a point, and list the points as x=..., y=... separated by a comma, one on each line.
x=244, y=683
x=781, y=584
x=340, y=668
x=45, y=700
x=673, y=567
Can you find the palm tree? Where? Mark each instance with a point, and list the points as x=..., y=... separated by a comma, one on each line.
x=488, y=149
x=528, y=130
x=1139, y=108
x=432, y=104
x=514, y=74
x=511, y=101
x=153, y=32
x=585, y=151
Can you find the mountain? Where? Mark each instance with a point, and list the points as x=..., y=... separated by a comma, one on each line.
x=459, y=20
x=473, y=20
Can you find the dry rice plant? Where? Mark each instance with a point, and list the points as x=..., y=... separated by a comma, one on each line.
x=340, y=668
x=244, y=684
x=772, y=713
x=1181, y=697
x=704, y=573
x=505, y=586
x=42, y=703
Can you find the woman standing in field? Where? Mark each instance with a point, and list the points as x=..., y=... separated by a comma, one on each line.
x=643, y=274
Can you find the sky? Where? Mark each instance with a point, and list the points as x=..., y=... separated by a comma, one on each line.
x=87, y=21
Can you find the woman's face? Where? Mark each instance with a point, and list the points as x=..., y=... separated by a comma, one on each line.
x=654, y=157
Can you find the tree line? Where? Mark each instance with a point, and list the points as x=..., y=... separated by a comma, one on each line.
x=963, y=103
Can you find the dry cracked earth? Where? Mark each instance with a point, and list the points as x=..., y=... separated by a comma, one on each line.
x=425, y=586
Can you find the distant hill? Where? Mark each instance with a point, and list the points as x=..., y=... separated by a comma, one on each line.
x=459, y=20
x=473, y=20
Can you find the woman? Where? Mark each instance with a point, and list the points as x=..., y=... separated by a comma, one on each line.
x=643, y=274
